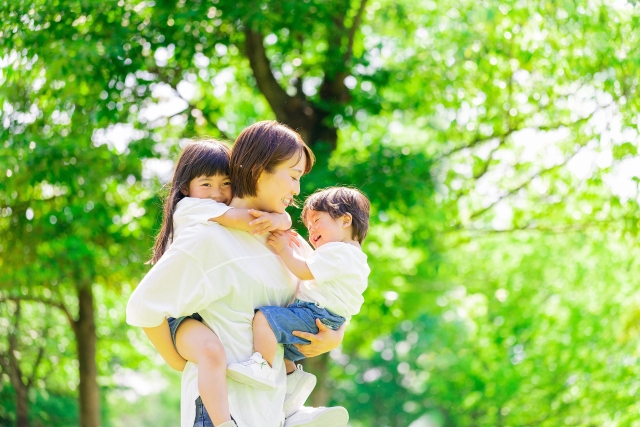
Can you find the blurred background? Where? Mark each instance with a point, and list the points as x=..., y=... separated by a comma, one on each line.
x=498, y=142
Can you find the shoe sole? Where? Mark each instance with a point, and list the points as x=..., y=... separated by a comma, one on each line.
x=242, y=378
x=336, y=417
x=301, y=394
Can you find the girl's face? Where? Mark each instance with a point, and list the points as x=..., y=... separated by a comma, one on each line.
x=216, y=187
x=275, y=191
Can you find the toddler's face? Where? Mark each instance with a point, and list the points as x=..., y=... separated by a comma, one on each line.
x=324, y=229
x=216, y=187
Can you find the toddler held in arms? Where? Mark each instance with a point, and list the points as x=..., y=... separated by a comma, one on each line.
x=334, y=279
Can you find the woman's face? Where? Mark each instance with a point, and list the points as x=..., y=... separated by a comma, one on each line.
x=275, y=191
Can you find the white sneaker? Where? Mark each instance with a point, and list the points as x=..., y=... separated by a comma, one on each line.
x=335, y=416
x=300, y=384
x=255, y=372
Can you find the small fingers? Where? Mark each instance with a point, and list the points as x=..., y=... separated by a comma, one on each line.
x=256, y=213
x=294, y=241
x=260, y=221
x=261, y=230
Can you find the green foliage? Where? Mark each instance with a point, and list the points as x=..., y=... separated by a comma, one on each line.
x=494, y=139
x=529, y=332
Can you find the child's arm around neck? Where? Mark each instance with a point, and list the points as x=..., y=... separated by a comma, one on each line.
x=254, y=221
x=192, y=211
x=294, y=262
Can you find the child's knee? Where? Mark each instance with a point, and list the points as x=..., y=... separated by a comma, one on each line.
x=212, y=351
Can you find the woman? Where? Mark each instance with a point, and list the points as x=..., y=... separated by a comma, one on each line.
x=224, y=274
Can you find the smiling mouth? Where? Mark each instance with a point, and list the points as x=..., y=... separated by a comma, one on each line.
x=314, y=239
x=286, y=201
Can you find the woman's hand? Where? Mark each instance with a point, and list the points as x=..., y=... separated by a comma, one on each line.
x=325, y=340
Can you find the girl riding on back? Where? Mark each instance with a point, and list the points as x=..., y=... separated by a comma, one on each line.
x=200, y=192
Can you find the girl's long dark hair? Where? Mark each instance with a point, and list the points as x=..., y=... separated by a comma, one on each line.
x=205, y=157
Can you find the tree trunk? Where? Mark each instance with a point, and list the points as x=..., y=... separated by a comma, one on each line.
x=22, y=391
x=22, y=404
x=296, y=111
x=11, y=365
x=319, y=366
x=86, y=340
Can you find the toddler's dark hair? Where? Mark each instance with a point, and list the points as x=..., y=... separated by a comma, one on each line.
x=204, y=157
x=337, y=201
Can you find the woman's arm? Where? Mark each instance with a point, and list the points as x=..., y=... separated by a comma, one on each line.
x=160, y=337
x=325, y=340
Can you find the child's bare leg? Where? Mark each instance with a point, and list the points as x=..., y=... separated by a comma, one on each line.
x=160, y=337
x=289, y=365
x=200, y=345
x=264, y=340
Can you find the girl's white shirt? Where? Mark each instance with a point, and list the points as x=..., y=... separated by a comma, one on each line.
x=191, y=211
x=223, y=274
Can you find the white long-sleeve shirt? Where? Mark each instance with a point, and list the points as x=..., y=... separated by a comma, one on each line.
x=191, y=211
x=223, y=274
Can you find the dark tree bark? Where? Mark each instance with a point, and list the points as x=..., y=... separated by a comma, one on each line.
x=11, y=365
x=85, y=331
x=295, y=111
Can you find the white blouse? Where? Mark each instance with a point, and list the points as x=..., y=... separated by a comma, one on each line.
x=223, y=274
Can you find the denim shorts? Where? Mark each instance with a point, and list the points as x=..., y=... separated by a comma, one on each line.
x=202, y=416
x=299, y=316
x=174, y=323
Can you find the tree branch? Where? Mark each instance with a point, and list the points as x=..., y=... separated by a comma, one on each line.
x=12, y=362
x=357, y=20
x=205, y=116
x=50, y=303
x=523, y=185
x=261, y=67
x=569, y=228
x=32, y=378
x=484, y=170
x=476, y=141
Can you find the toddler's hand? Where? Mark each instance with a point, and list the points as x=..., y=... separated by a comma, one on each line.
x=278, y=240
x=264, y=221
x=292, y=236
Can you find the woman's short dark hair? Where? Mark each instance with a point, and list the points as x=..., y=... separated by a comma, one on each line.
x=337, y=201
x=259, y=148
